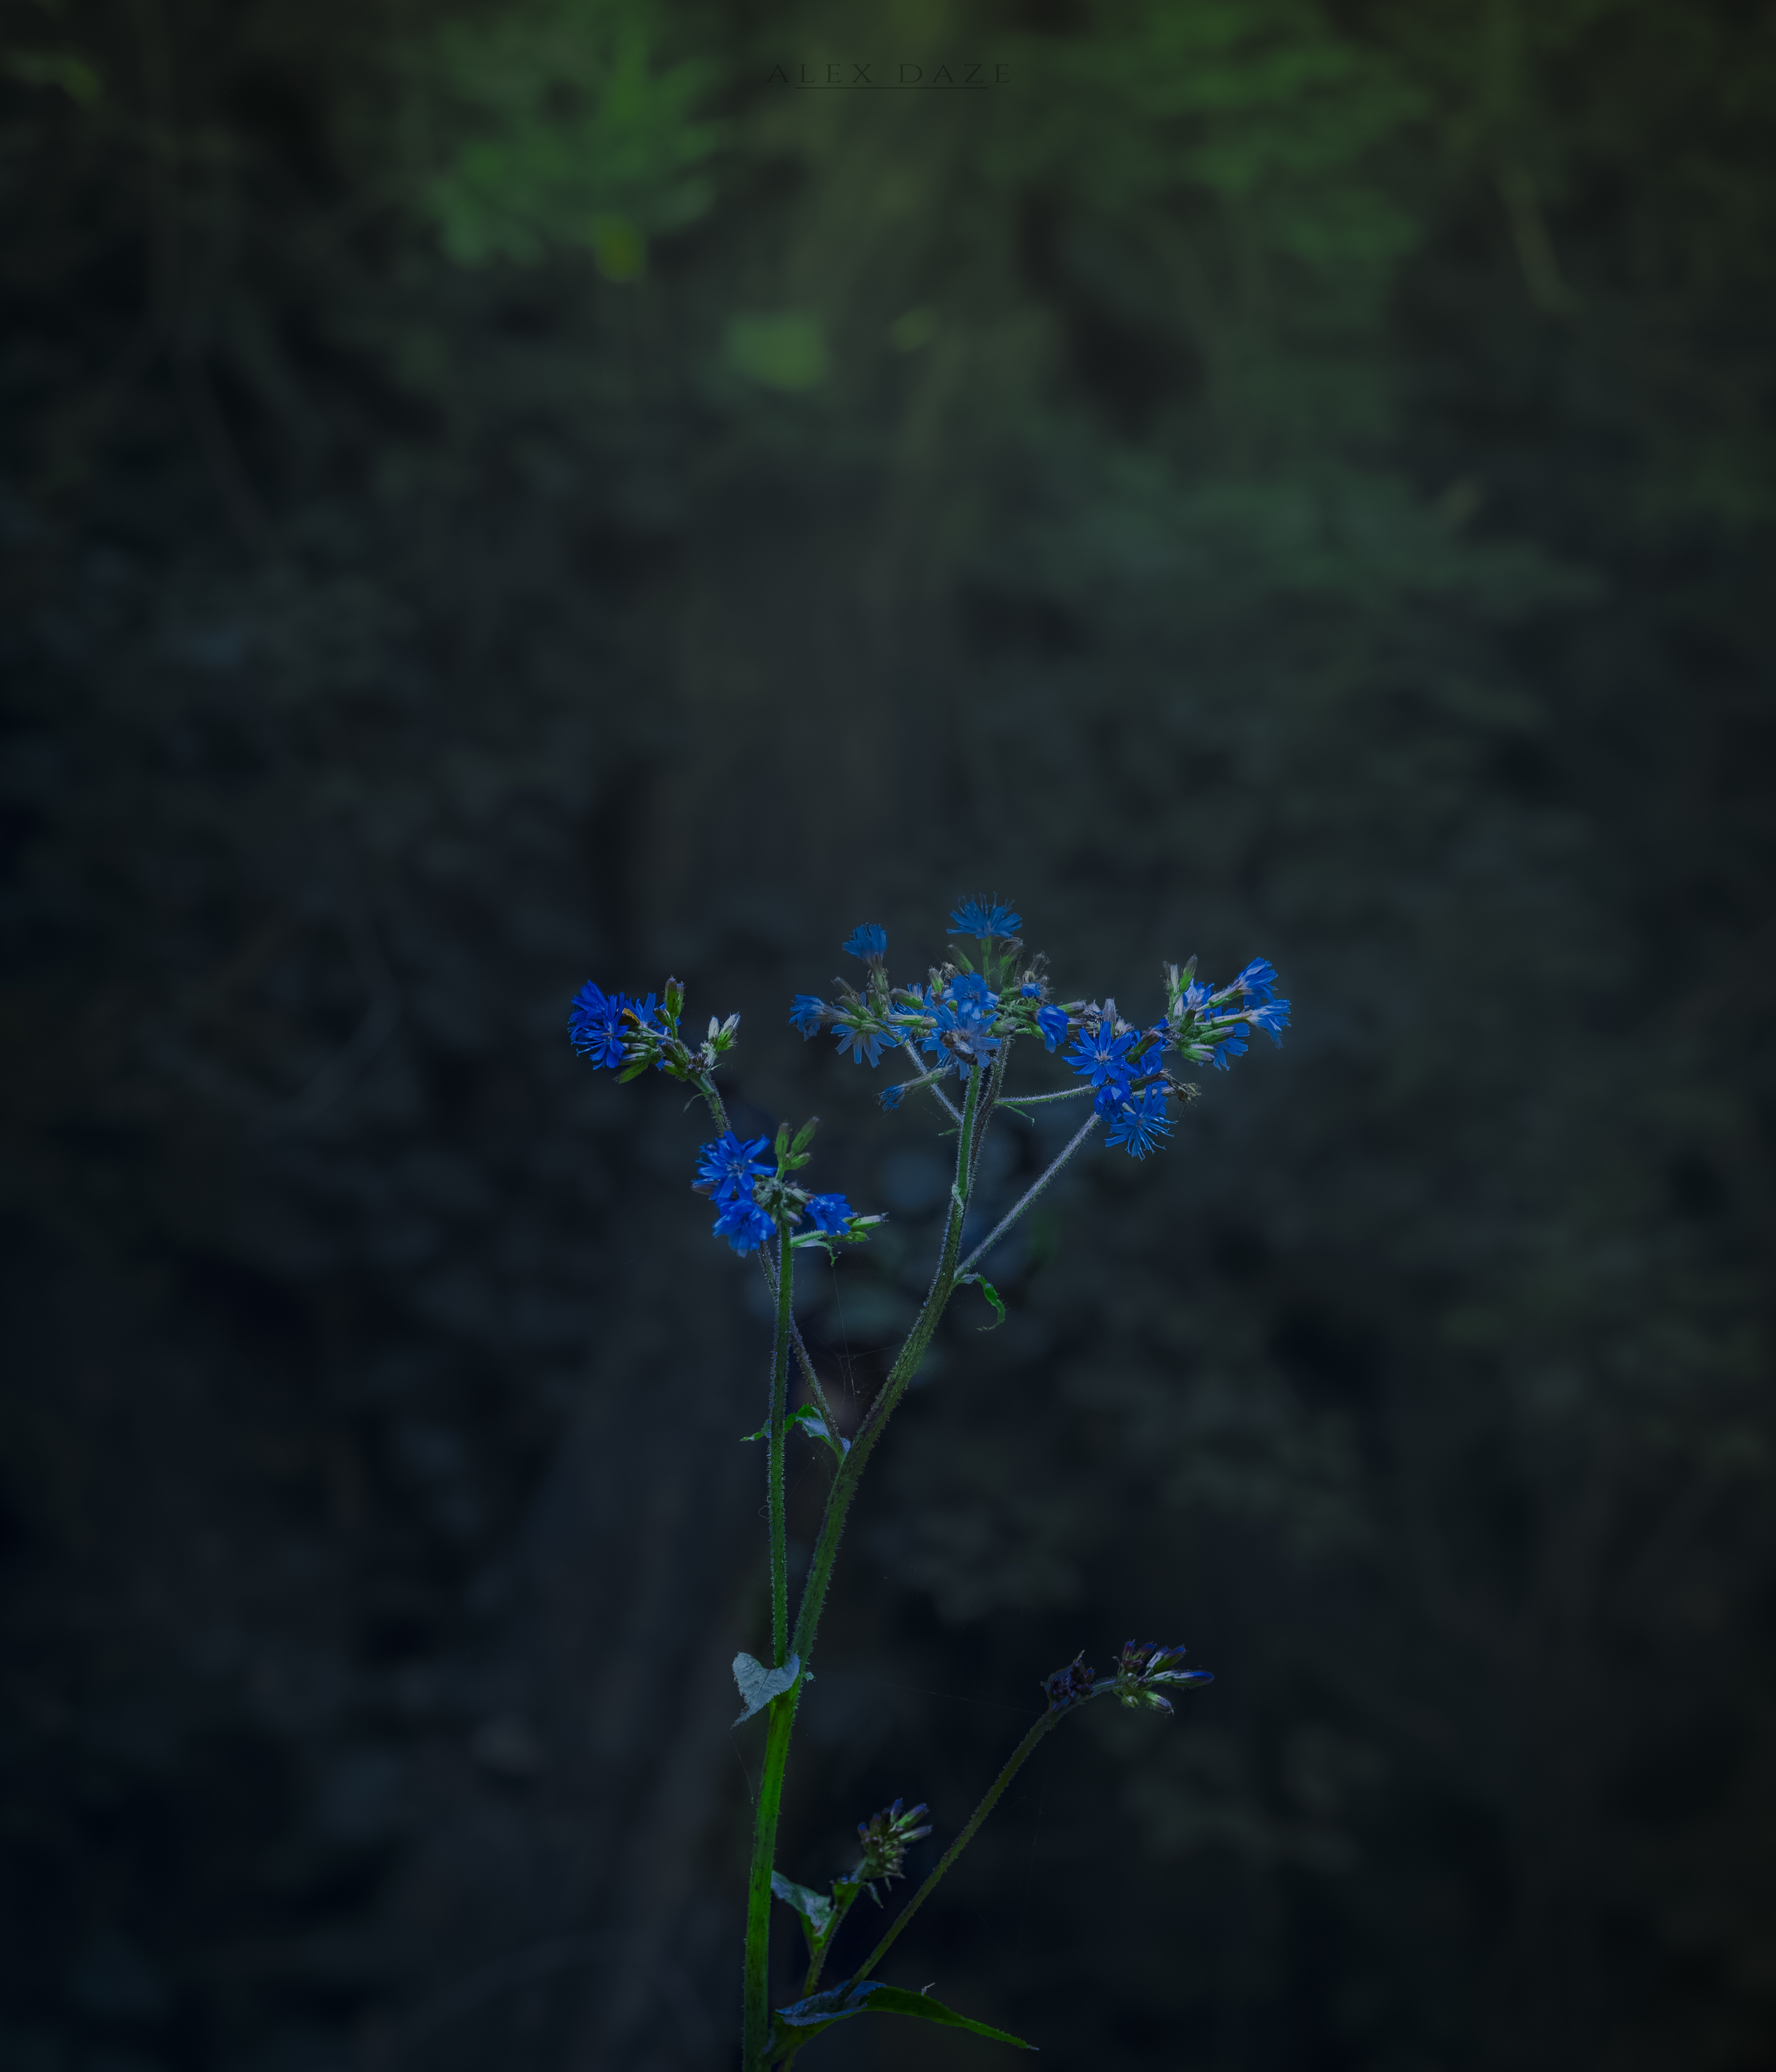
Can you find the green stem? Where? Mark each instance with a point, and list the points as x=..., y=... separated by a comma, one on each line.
x=1018, y=1757
x=845, y=1483
x=755, y=2038
x=779, y=1398
x=835, y=1922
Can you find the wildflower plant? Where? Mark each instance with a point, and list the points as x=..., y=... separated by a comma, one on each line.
x=954, y=1036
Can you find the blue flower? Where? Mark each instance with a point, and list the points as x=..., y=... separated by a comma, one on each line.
x=1027, y=992
x=1052, y=1021
x=868, y=941
x=1196, y=997
x=1102, y=1058
x=1143, y=1124
x=963, y=1024
x=726, y=1169
x=594, y=1026
x=891, y=1095
x=745, y=1225
x=831, y=1212
x=860, y=1040
x=1229, y=1043
x=1272, y=1015
x=806, y=1013
x=979, y=916
x=1257, y=982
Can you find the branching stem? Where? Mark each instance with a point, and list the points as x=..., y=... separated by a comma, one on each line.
x=1005, y=1222
x=1015, y=1763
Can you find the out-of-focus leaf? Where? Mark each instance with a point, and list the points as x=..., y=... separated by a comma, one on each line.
x=573, y=134
x=785, y=350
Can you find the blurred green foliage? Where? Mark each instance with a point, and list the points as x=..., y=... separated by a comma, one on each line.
x=553, y=125
x=498, y=493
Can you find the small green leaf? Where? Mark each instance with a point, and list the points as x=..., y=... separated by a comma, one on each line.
x=759, y=1685
x=815, y=1909
x=990, y=1292
x=805, y=1135
x=633, y=1071
x=809, y=1421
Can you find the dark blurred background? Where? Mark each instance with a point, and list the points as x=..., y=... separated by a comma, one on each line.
x=501, y=491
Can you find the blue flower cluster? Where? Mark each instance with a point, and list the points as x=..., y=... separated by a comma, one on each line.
x=959, y=1020
x=753, y=1196
x=629, y=1034
x=747, y=1179
x=962, y=1017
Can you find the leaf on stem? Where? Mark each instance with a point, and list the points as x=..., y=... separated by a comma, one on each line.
x=759, y=1685
x=814, y=1907
x=791, y=2027
x=990, y=1292
x=809, y=1421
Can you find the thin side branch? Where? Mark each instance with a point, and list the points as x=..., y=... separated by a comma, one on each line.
x=1005, y=1222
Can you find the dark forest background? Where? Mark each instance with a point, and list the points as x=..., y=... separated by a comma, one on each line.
x=497, y=494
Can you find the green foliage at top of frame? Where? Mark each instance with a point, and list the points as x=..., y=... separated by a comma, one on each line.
x=567, y=129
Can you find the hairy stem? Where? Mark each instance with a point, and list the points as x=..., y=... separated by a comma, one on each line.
x=755, y=2031
x=1042, y=1101
x=816, y=1963
x=779, y=1396
x=900, y=1375
x=1011, y=1216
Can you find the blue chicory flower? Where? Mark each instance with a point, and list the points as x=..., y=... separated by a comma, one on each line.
x=862, y=1041
x=1142, y=1124
x=831, y=1213
x=1102, y=1058
x=891, y=1095
x=866, y=942
x=1229, y=1044
x=980, y=917
x=963, y=1024
x=806, y=1013
x=1052, y=1021
x=727, y=1168
x=1272, y=1015
x=1257, y=982
x=593, y=1025
x=745, y=1225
